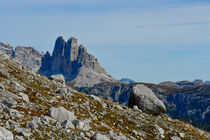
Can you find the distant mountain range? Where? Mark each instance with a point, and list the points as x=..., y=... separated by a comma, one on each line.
x=184, y=100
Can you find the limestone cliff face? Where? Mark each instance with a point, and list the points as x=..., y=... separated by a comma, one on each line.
x=28, y=56
x=75, y=63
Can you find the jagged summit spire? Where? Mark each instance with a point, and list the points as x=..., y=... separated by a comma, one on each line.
x=60, y=38
x=48, y=53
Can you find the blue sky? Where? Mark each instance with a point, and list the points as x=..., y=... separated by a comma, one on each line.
x=146, y=40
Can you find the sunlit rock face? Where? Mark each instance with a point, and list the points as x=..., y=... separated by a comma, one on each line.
x=75, y=63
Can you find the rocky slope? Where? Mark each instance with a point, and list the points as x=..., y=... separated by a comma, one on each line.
x=185, y=100
x=75, y=63
x=34, y=107
x=27, y=56
x=187, y=103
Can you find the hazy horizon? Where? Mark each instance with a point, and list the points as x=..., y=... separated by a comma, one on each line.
x=145, y=40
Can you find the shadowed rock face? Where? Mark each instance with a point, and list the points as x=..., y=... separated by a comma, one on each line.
x=75, y=63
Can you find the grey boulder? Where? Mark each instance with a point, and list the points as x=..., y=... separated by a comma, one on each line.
x=145, y=99
x=82, y=124
x=61, y=114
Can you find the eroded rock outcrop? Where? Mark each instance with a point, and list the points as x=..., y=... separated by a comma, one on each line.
x=27, y=56
x=145, y=99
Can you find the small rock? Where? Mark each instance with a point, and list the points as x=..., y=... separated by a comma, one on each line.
x=82, y=124
x=58, y=78
x=175, y=138
x=199, y=131
x=61, y=114
x=67, y=124
x=47, y=119
x=135, y=107
x=104, y=105
x=37, y=120
x=160, y=131
x=63, y=91
x=5, y=134
x=119, y=107
x=98, y=136
x=24, y=132
x=9, y=102
x=24, y=96
x=19, y=138
x=31, y=124
x=182, y=135
x=17, y=86
x=58, y=125
x=82, y=135
x=95, y=98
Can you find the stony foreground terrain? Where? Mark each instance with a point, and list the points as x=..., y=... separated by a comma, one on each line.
x=35, y=107
x=185, y=100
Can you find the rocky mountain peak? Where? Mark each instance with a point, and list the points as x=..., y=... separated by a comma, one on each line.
x=28, y=56
x=59, y=47
x=46, y=61
x=75, y=63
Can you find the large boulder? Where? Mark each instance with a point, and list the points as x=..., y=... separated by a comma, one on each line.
x=145, y=99
x=5, y=134
x=61, y=114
